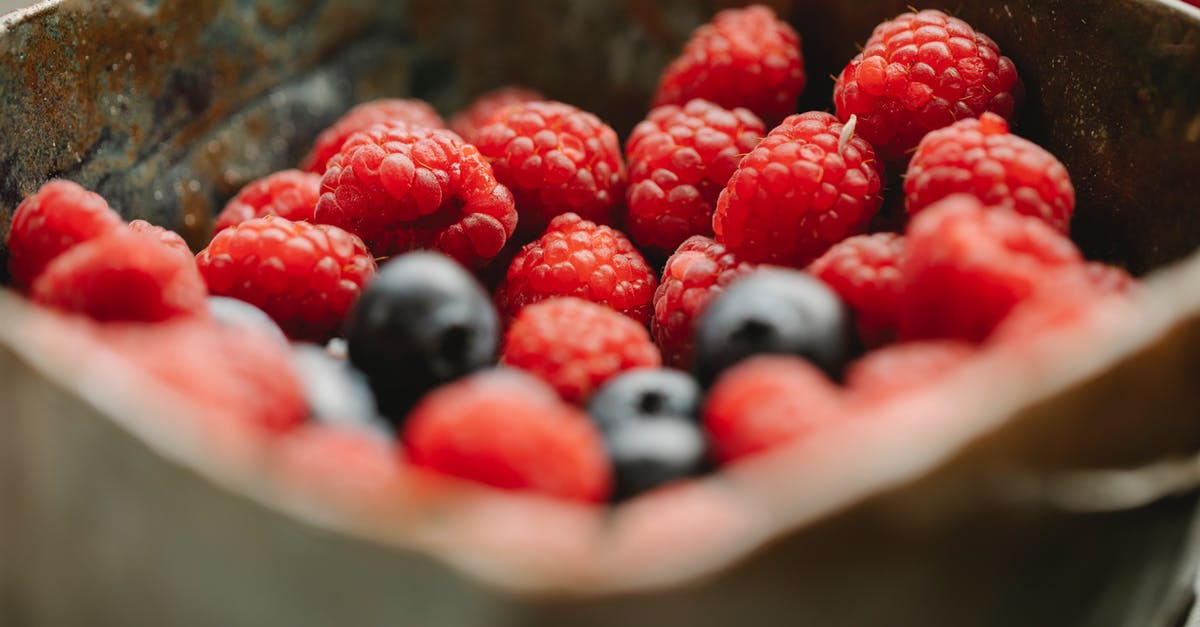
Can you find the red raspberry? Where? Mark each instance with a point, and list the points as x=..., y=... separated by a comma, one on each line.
x=306, y=277
x=352, y=466
x=511, y=431
x=981, y=158
x=290, y=194
x=125, y=275
x=575, y=257
x=555, y=159
x=168, y=238
x=409, y=112
x=575, y=345
x=901, y=368
x=804, y=188
x=679, y=159
x=1071, y=302
x=743, y=58
x=60, y=215
x=697, y=272
x=1109, y=279
x=468, y=121
x=401, y=189
x=920, y=72
x=865, y=271
x=968, y=265
x=765, y=402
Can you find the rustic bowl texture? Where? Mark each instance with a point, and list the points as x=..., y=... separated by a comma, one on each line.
x=1043, y=485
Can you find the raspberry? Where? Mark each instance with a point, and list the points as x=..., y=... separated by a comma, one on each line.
x=401, y=189
x=290, y=194
x=1071, y=302
x=865, y=271
x=226, y=372
x=900, y=368
x=743, y=58
x=575, y=345
x=981, y=158
x=125, y=275
x=804, y=188
x=697, y=272
x=353, y=466
x=304, y=276
x=555, y=159
x=468, y=121
x=166, y=237
x=510, y=431
x=409, y=112
x=1110, y=279
x=679, y=159
x=968, y=265
x=60, y=215
x=765, y=402
x=575, y=257
x=920, y=72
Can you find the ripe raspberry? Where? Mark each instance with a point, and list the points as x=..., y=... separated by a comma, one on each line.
x=60, y=215
x=555, y=159
x=697, y=272
x=801, y=190
x=743, y=58
x=766, y=402
x=968, y=265
x=350, y=465
x=125, y=275
x=402, y=189
x=1109, y=279
x=575, y=257
x=1069, y=302
x=981, y=158
x=508, y=430
x=468, y=121
x=409, y=112
x=304, y=276
x=679, y=159
x=865, y=271
x=920, y=72
x=168, y=238
x=901, y=368
x=575, y=345
x=290, y=194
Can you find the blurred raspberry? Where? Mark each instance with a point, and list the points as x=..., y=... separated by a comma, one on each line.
x=46, y=224
x=865, y=271
x=980, y=157
x=679, y=160
x=555, y=159
x=290, y=194
x=409, y=112
x=509, y=430
x=900, y=368
x=481, y=110
x=575, y=345
x=575, y=257
x=401, y=189
x=352, y=466
x=306, y=277
x=808, y=185
x=168, y=238
x=691, y=278
x=742, y=58
x=920, y=72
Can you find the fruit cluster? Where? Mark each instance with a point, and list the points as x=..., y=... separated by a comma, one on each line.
x=521, y=303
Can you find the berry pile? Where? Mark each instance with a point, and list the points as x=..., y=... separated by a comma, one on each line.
x=482, y=301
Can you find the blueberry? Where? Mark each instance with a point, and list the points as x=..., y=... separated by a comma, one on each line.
x=649, y=421
x=774, y=311
x=423, y=321
x=238, y=314
x=336, y=392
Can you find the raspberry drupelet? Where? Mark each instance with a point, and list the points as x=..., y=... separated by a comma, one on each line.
x=809, y=184
x=980, y=157
x=405, y=111
x=58, y=216
x=575, y=257
x=865, y=271
x=477, y=114
x=679, y=160
x=290, y=194
x=402, y=188
x=742, y=58
x=698, y=271
x=576, y=345
x=556, y=159
x=306, y=277
x=920, y=72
